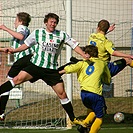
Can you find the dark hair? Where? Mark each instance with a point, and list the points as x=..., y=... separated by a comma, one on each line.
x=24, y=17
x=103, y=25
x=51, y=15
x=91, y=50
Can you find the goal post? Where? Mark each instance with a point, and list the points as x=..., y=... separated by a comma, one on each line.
x=69, y=54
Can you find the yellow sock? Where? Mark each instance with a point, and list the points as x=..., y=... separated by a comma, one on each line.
x=90, y=118
x=131, y=64
x=96, y=125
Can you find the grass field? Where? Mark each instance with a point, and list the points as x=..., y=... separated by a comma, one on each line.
x=103, y=130
x=109, y=126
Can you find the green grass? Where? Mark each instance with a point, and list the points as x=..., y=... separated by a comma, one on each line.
x=103, y=130
x=109, y=126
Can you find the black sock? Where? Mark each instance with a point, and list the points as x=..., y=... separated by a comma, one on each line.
x=74, y=60
x=7, y=86
x=69, y=110
x=62, y=67
x=3, y=102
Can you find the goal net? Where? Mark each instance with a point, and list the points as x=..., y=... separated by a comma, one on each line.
x=37, y=104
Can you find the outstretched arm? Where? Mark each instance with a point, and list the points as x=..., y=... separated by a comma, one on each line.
x=62, y=71
x=19, y=49
x=80, y=51
x=111, y=28
x=2, y=49
x=13, y=33
x=120, y=54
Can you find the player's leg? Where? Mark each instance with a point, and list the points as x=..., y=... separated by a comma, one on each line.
x=82, y=129
x=97, y=104
x=53, y=79
x=20, y=78
x=3, y=102
x=14, y=70
x=63, y=66
x=116, y=66
x=74, y=59
x=129, y=62
x=98, y=107
x=7, y=86
x=94, y=128
x=87, y=122
x=96, y=125
x=87, y=99
x=65, y=102
x=90, y=118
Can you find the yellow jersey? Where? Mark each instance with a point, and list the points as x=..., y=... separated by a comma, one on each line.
x=91, y=74
x=105, y=46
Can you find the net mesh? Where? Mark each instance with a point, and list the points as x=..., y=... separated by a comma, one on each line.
x=39, y=106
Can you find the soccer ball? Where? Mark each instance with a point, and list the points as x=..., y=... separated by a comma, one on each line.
x=118, y=117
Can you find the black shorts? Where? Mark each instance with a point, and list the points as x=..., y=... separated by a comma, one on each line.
x=50, y=76
x=19, y=65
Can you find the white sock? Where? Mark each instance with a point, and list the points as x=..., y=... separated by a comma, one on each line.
x=64, y=101
x=12, y=83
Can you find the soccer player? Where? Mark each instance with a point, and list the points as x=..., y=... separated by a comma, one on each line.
x=74, y=60
x=19, y=35
x=106, y=49
x=43, y=65
x=91, y=75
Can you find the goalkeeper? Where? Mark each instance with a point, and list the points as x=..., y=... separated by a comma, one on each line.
x=91, y=75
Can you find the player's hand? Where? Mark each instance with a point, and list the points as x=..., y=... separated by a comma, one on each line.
x=132, y=57
x=111, y=28
x=3, y=27
x=9, y=50
x=86, y=56
x=2, y=49
x=5, y=50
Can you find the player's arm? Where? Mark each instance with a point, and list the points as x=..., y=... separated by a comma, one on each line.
x=19, y=49
x=112, y=51
x=72, y=68
x=62, y=72
x=78, y=50
x=2, y=49
x=13, y=33
x=111, y=28
x=74, y=45
x=29, y=42
x=120, y=54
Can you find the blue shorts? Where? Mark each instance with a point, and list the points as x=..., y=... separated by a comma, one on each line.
x=116, y=66
x=94, y=101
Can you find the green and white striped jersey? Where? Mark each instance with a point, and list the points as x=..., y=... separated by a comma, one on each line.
x=48, y=46
x=17, y=43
